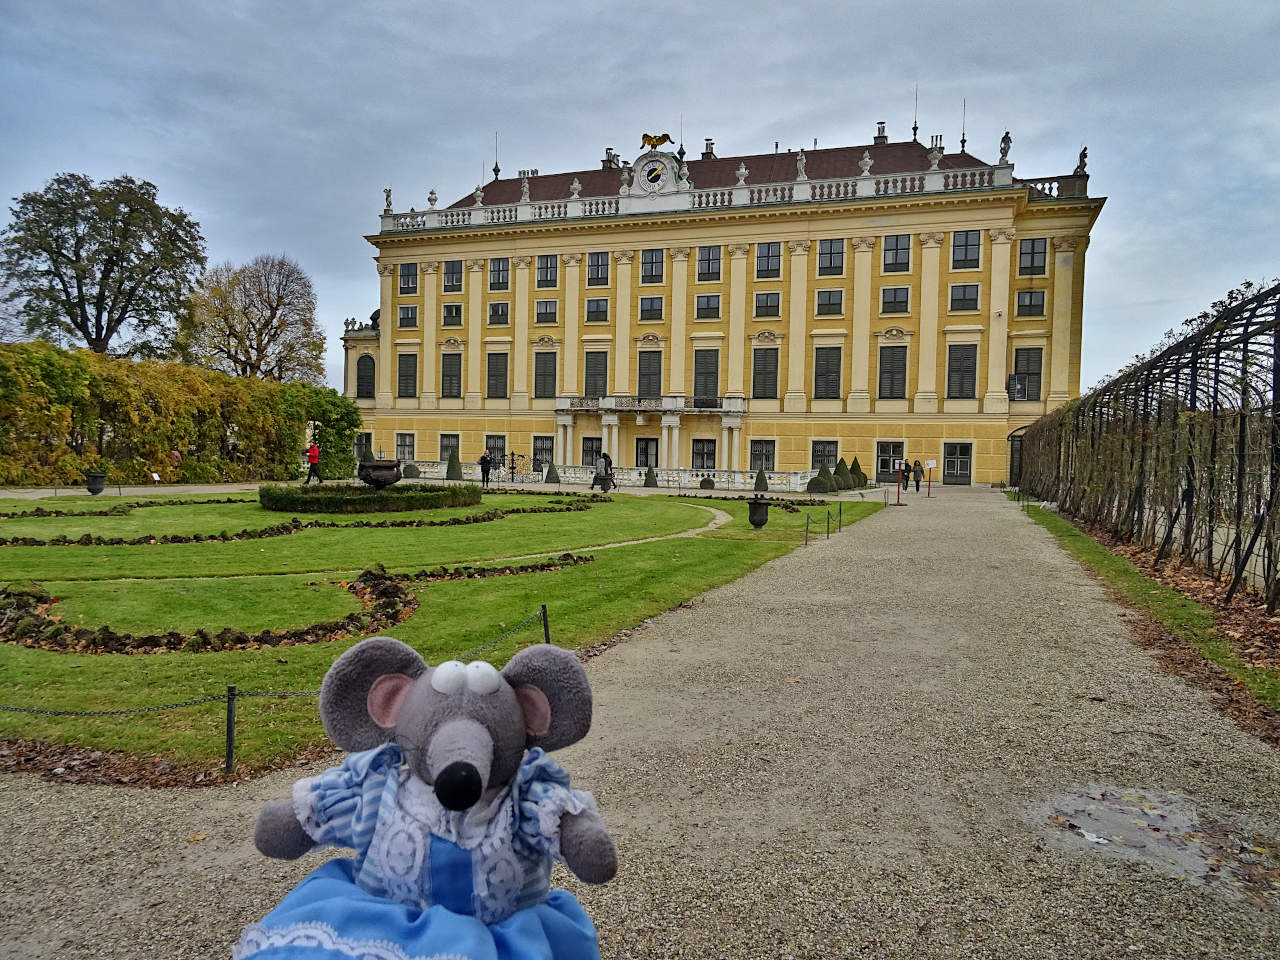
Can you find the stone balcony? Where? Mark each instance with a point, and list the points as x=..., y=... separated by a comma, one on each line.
x=641, y=405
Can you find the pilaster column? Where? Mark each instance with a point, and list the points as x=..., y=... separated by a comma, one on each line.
x=735, y=437
x=622, y=325
x=679, y=316
x=736, y=344
x=472, y=393
x=572, y=297
x=564, y=438
x=671, y=422
x=664, y=444
x=427, y=325
x=609, y=421
x=1064, y=263
x=997, y=397
x=722, y=448
x=926, y=400
x=795, y=399
x=386, y=332
x=859, y=400
x=520, y=349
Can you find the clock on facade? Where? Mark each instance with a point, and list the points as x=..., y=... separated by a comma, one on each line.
x=653, y=173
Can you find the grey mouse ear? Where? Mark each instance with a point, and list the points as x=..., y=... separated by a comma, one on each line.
x=344, y=695
x=547, y=678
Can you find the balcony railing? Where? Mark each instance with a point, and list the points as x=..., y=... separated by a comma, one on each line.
x=619, y=403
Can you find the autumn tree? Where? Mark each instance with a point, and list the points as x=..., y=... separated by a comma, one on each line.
x=257, y=320
x=100, y=263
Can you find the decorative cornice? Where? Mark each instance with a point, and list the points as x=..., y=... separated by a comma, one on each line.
x=932, y=239
x=386, y=269
x=863, y=244
x=766, y=336
x=893, y=333
x=429, y=266
x=739, y=249
x=1002, y=234
x=452, y=343
x=571, y=259
x=545, y=341
x=1069, y=244
x=650, y=339
x=475, y=266
x=679, y=253
x=521, y=263
x=624, y=256
x=798, y=246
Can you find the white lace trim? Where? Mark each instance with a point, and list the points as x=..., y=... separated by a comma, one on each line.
x=484, y=829
x=321, y=936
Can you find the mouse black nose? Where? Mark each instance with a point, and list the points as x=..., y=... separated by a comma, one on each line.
x=458, y=786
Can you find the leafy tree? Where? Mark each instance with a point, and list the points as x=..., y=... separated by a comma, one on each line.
x=100, y=262
x=258, y=320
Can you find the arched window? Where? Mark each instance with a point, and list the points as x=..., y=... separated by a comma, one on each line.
x=364, y=376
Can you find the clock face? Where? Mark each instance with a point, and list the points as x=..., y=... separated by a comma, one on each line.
x=653, y=173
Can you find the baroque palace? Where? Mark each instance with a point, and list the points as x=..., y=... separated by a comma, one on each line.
x=718, y=315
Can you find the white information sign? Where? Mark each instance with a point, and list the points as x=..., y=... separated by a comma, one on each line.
x=931, y=464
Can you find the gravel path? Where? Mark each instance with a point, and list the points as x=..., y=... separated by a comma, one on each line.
x=846, y=753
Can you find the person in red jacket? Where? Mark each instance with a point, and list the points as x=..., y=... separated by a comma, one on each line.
x=313, y=458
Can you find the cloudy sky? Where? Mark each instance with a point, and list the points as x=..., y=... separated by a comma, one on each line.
x=278, y=124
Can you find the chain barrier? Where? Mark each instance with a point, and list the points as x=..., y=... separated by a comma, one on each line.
x=114, y=713
x=540, y=615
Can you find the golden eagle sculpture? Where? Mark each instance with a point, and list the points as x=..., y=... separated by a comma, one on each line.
x=652, y=142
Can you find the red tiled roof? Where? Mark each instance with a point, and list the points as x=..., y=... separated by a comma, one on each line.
x=833, y=163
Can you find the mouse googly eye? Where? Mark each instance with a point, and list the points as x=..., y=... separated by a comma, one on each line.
x=449, y=678
x=482, y=678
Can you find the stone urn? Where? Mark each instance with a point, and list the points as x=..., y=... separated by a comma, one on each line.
x=95, y=481
x=758, y=511
x=379, y=473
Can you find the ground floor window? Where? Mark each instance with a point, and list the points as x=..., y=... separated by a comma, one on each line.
x=762, y=454
x=448, y=445
x=495, y=444
x=824, y=451
x=404, y=446
x=544, y=451
x=957, y=462
x=888, y=453
x=364, y=446
x=704, y=455
x=646, y=451
x=591, y=448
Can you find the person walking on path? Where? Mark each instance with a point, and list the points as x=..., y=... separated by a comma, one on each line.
x=603, y=468
x=906, y=475
x=486, y=464
x=917, y=471
x=313, y=464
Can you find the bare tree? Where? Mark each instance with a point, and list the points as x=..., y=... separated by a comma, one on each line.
x=258, y=320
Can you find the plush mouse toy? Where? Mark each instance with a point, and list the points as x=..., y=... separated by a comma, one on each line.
x=454, y=825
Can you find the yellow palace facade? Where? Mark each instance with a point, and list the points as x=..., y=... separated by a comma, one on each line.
x=715, y=316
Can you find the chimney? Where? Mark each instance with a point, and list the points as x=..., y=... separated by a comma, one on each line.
x=610, y=161
x=880, y=139
x=709, y=151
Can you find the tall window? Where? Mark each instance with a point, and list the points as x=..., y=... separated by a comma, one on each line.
x=448, y=445
x=651, y=265
x=894, y=299
x=544, y=374
x=451, y=375
x=888, y=454
x=897, y=253
x=964, y=296
x=962, y=371
x=830, y=302
x=1031, y=303
x=598, y=269
x=499, y=273
x=830, y=258
x=407, y=375
x=764, y=373
x=495, y=444
x=768, y=260
x=404, y=446
x=1031, y=257
x=364, y=376
x=545, y=311
x=548, y=269
x=966, y=249
x=452, y=276
x=595, y=381
x=451, y=315
x=408, y=278
x=497, y=376
x=706, y=377
x=408, y=317
x=544, y=451
x=649, y=375
x=591, y=448
x=364, y=445
x=768, y=304
x=708, y=263
x=650, y=308
x=893, y=373
x=597, y=310
x=708, y=306
x=1024, y=382
x=826, y=373
x=646, y=451
x=499, y=314
x=824, y=451
x=704, y=455
x=762, y=454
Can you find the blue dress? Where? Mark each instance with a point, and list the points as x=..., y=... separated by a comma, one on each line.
x=428, y=883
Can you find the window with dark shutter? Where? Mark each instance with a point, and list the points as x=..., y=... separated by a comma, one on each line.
x=1031, y=257
x=1024, y=382
x=591, y=447
x=767, y=304
x=897, y=253
x=407, y=375
x=448, y=444
x=893, y=373
x=1031, y=303
x=651, y=262
x=595, y=381
x=597, y=310
x=451, y=375
x=826, y=373
x=708, y=263
x=364, y=376
x=764, y=373
x=598, y=269
x=962, y=371
x=649, y=375
x=706, y=377
x=830, y=258
x=451, y=315
x=544, y=374
x=497, y=376
x=768, y=260
x=708, y=305
x=499, y=273
x=966, y=249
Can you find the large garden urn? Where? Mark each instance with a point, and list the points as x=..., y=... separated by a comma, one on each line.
x=758, y=511
x=379, y=473
x=95, y=481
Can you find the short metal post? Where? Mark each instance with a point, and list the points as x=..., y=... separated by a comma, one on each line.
x=828, y=524
x=231, y=727
x=806, y=529
x=840, y=518
x=546, y=627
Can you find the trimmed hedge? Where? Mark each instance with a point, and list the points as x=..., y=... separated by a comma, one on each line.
x=843, y=478
x=410, y=471
x=349, y=498
x=650, y=478
x=454, y=470
x=859, y=477
x=822, y=482
x=762, y=482
x=553, y=475
x=706, y=483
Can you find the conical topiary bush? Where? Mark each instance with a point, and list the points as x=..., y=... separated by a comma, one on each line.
x=859, y=477
x=650, y=478
x=762, y=483
x=454, y=470
x=553, y=475
x=844, y=479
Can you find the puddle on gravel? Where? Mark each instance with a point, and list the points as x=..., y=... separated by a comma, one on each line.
x=1166, y=832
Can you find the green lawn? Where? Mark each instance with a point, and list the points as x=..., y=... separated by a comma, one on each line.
x=586, y=603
